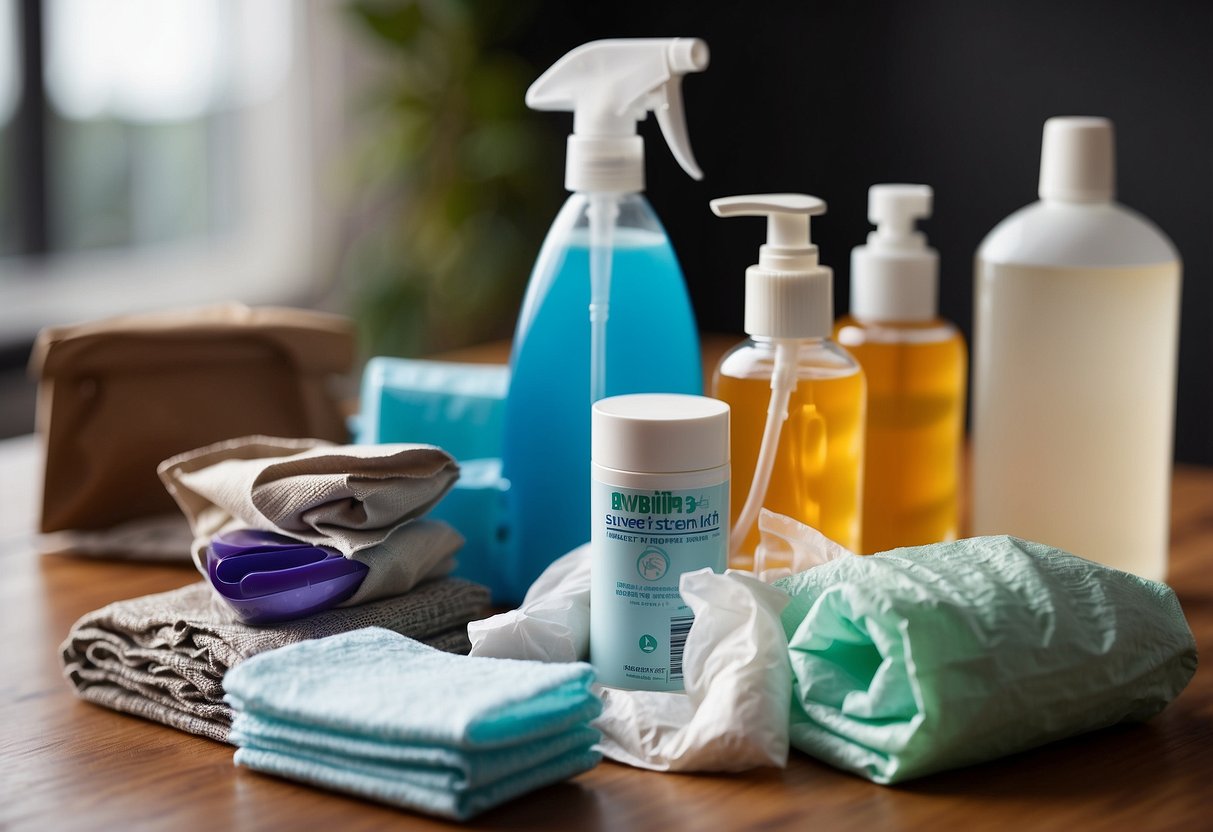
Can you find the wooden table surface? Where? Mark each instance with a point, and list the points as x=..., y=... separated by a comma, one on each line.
x=66, y=764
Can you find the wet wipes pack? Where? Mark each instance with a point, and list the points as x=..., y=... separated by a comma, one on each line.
x=638, y=568
x=659, y=499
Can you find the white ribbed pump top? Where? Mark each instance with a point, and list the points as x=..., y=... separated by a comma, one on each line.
x=788, y=294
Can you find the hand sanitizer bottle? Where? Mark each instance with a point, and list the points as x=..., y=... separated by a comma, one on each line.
x=1076, y=326
x=915, y=365
x=606, y=311
x=797, y=398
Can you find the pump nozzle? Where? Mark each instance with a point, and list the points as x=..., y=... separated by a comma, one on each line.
x=893, y=210
x=610, y=85
x=895, y=276
x=789, y=246
x=788, y=294
x=788, y=297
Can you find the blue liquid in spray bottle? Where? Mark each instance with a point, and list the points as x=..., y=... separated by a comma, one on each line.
x=606, y=311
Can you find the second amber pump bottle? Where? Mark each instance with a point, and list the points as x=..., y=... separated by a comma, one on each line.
x=797, y=398
x=915, y=365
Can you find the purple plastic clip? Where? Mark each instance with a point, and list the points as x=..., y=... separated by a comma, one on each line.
x=268, y=577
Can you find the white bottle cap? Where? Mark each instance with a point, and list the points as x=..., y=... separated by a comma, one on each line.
x=787, y=293
x=660, y=433
x=895, y=277
x=605, y=165
x=1077, y=160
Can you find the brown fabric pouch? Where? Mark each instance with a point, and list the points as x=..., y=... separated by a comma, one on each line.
x=118, y=396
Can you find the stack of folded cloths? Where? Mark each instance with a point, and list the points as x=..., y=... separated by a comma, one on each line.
x=367, y=502
x=385, y=717
x=164, y=656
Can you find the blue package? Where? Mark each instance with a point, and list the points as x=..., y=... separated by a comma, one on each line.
x=460, y=408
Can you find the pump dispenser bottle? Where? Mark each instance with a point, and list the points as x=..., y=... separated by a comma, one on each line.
x=797, y=398
x=606, y=310
x=1076, y=324
x=915, y=365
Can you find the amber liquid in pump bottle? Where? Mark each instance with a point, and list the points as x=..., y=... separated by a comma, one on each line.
x=915, y=366
x=797, y=398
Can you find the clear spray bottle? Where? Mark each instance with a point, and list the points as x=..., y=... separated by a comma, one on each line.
x=606, y=310
x=797, y=398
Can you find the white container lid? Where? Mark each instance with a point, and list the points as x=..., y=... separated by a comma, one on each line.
x=660, y=433
x=1077, y=160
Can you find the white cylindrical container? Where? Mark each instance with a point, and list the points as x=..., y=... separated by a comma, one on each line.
x=1076, y=327
x=659, y=507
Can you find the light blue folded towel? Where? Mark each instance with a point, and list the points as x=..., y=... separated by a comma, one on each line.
x=385, y=717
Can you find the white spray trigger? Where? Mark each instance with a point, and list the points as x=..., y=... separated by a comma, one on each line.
x=672, y=118
x=610, y=85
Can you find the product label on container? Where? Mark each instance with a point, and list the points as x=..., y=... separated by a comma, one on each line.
x=643, y=541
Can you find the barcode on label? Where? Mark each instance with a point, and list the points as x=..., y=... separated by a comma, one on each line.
x=679, y=627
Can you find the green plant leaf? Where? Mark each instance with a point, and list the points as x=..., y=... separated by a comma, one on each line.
x=398, y=23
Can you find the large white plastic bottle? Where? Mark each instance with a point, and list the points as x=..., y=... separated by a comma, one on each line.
x=1077, y=303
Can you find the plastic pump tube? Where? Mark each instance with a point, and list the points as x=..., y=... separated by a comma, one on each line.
x=783, y=382
x=603, y=211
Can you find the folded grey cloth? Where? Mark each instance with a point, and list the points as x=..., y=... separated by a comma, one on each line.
x=163, y=657
x=362, y=500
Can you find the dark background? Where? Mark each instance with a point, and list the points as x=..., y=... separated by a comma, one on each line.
x=829, y=98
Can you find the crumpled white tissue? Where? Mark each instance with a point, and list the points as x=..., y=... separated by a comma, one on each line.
x=553, y=623
x=734, y=714
x=788, y=546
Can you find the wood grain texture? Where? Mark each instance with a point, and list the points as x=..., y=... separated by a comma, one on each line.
x=65, y=764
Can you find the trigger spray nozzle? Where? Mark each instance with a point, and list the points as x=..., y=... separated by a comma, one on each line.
x=609, y=86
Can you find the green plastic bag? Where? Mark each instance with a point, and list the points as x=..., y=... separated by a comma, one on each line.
x=918, y=660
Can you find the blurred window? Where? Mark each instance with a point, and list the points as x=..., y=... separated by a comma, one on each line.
x=145, y=98
x=174, y=156
x=10, y=90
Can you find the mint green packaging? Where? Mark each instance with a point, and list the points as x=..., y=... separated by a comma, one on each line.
x=923, y=659
x=658, y=508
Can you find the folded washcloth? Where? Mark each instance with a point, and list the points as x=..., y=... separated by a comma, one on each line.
x=385, y=717
x=164, y=656
x=362, y=500
x=924, y=659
